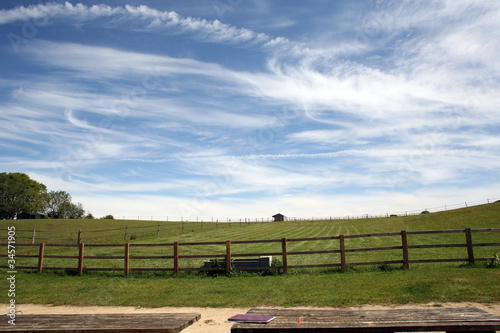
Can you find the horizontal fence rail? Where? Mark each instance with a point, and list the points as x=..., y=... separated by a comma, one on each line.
x=173, y=253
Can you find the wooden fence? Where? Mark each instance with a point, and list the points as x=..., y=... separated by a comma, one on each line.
x=228, y=256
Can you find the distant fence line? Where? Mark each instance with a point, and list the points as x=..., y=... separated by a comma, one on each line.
x=228, y=256
x=227, y=219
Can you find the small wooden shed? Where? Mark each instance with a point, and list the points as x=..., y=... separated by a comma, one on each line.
x=279, y=217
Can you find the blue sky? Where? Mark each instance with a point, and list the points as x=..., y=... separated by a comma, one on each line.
x=237, y=108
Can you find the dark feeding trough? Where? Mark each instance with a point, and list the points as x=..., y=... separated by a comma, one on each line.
x=260, y=264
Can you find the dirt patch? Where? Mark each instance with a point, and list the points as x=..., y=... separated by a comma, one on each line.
x=214, y=319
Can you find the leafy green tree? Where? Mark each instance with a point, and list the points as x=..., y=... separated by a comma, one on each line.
x=56, y=202
x=59, y=206
x=73, y=211
x=19, y=193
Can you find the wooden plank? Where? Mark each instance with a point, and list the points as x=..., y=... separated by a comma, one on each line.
x=59, y=257
x=258, y=254
x=193, y=256
x=100, y=323
x=80, y=259
x=470, y=248
x=372, y=321
x=435, y=246
x=373, y=235
x=436, y=260
x=486, y=230
x=369, y=249
x=313, y=252
x=284, y=256
x=40, y=257
x=151, y=257
x=105, y=257
x=126, y=269
x=427, y=232
x=204, y=243
x=342, y=254
x=258, y=241
x=228, y=257
x=22, y=255
x=104, y=245
x=148, y=245
x=312, y=239
x=404, y=246
x=176, y=258
x=380, y=262
x=486, y=244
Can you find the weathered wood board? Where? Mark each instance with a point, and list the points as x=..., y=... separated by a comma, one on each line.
x=97, y=323
x=373, y=321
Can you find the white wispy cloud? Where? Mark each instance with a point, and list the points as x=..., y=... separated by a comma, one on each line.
x=350, y=87
x=142, y=18
x=416, y=105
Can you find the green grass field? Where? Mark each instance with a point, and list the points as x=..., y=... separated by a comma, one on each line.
x=441, y=282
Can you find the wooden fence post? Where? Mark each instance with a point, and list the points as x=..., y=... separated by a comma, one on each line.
x=127, y=259
x=40, y=257
x=228, y=257
x=343, y=264
x=125, y=236
x=284, y=256
x=470, y=248
x=79, y=236
x=176, y=258
x=80, y=259
x=158, y=229
x=33, y=237
x=404, y=245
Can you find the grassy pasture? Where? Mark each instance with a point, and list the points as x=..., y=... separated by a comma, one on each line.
x=326, y=287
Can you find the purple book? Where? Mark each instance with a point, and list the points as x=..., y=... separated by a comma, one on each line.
x=245, y=318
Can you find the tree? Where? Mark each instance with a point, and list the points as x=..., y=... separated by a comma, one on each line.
x=56, y=202
x=73, y=211
x=59, y=206
x=19, y=193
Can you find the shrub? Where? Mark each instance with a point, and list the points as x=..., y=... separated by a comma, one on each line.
x=494, y=262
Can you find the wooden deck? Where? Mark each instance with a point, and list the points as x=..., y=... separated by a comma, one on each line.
x=373, y=321
x=97, y=323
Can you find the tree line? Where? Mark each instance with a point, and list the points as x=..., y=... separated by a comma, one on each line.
x=21, y=194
